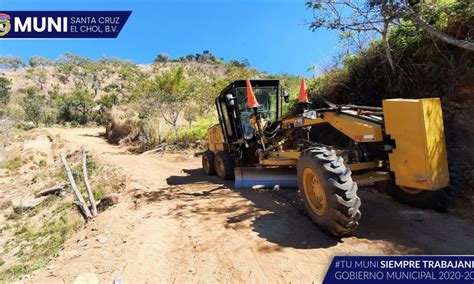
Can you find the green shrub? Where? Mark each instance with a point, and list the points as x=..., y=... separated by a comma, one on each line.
x=198, y=130
x=34, y=106
x=46, y=243
x=5, y=93
x=105, y=104
x=99, y=192
x=425, y=67
x=14, y=163
x=77, y=107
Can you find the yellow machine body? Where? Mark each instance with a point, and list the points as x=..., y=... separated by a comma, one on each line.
x=401, y=143
x=419, y=159
x=215, y=139
x=355, y=128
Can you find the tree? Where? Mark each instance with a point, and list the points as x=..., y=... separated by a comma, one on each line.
x=70, y=65
x=171, y=88
x=131, y=74
x=205, y=57
x=34, y=106
x=246, y=63
x=236, y=63
x=145, y=96
x=162, y=58
x=39, y=75
x=96, y=73
x=37, y=70
x=52, y=110
x=64, y=69
x=113, y=62
x=77, y=107
x=6, y=125
x=199, y=97
x=236, y=70
x=420, y=23
x=86, y=72
x=11, y=62
x=361, y=22
x=5, y=92
x=38, y=61
x=105, y=104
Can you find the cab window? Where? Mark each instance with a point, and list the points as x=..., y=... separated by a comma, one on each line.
x=266, y=97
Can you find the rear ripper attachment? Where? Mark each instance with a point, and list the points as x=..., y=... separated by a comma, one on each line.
x=401, y=143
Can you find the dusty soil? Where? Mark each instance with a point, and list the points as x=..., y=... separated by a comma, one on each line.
x=173, y=224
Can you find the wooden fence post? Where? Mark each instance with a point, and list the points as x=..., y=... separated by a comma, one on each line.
x=86, y=182
x=78, y=194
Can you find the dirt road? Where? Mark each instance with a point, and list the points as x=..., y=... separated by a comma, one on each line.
x=176, y=225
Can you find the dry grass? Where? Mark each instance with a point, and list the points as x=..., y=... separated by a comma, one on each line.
x=30, y=238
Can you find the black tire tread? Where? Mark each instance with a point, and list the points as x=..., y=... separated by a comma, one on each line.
x=210, y=156
x=229, y=164
x=436, y=200
x=342, y=215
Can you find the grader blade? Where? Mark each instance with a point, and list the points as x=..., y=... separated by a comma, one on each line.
x=255, y=177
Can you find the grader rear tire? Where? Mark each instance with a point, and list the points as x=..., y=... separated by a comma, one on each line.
x=225, y=165
x=208, y=163
x=426, y=199
x=328, y=191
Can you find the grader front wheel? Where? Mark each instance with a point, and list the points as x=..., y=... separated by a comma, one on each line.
x=224, y=164
x=328, y=191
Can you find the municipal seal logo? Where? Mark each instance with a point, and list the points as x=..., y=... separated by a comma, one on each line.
x=5, y=25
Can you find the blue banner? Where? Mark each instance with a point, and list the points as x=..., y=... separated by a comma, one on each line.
x=401, y=269
x=62, y=24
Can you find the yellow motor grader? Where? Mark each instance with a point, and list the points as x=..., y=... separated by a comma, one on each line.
x=401, y=144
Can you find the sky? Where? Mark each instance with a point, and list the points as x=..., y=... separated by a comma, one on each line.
x=272, y=34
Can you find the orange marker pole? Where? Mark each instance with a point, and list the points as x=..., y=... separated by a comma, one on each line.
x=253, y=103
x=251, y=99
x=303, y=97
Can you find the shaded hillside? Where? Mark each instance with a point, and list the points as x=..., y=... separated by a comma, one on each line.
x=425, y=67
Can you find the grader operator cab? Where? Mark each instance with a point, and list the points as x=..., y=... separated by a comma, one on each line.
x=401, y=143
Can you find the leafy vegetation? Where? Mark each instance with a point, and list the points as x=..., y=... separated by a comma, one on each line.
x=13, y=164
x=205, y=57
x=5, y=93
x=170, y=101
x=33, y=105
x=35, y=248
x=424, y=66
x=11, y=62
x=359, y=22
x=34, y=235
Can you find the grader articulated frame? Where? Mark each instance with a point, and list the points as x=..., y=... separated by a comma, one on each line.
x=401, y=143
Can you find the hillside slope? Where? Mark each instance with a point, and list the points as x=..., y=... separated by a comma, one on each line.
x=425, y=67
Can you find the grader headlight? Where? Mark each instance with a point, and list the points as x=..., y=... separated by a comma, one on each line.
x=310, y=114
